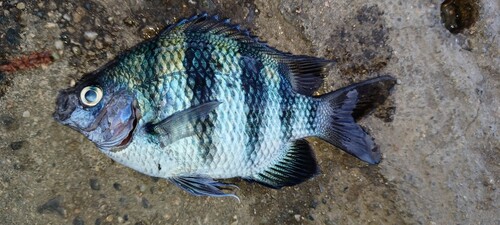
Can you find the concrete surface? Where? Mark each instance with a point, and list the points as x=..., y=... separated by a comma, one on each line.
x=438, y=133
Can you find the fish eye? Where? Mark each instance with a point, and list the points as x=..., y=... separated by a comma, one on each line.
x=91, y=95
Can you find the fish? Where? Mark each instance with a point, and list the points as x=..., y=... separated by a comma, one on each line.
x=205, y=100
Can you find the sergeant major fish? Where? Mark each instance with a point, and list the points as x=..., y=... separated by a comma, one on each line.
x=206, y=100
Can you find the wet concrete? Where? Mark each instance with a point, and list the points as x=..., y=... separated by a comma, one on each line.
x=441, y=144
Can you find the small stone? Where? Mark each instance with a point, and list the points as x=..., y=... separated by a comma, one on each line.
x=145, y=203
x=53, y=205
x=8, y=123
x=21, y=5
x=314, y=204
x=76, y=50
x=297, y=217
x=123, y=201
x=108, y=39
x=78, y=14
x=117, y=186
x=78, y=221
x=90, y=35
x=59, y=44
x=18, y=166
x=109, y=218
x=98, y=45
x=149, y=32
x=16, y=145
x=50, y=25
x=67, y=17
x=26, y=114
x=12, y=36
x=129, y=21
x=94, y=184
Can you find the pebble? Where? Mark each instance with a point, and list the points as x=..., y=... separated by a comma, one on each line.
x=117, y=186
x=78, y=221
x=99, y=45
x=67, y=17
x=50, y=25
x=53, y=205
x=21, y=5
x=94, y=184
x=314, y=204
x=149, y=32
x=59, y=44
x=78, y=14
x=26, y=114
x=12, y=36
x=297, y=217
x=16, y=145
x=108, y=39
x=145, y=203
x=129, y=21
x=90, y=35
x=8, y=123
x=76, y=50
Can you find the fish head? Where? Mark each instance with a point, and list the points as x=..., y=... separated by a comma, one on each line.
x=103, y=111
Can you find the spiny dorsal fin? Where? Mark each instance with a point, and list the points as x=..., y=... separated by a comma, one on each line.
x=203, y=23
x=295, y=166
x=305, y=73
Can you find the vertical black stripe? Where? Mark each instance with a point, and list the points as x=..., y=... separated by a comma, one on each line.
x=198, y=69
x=255, y=94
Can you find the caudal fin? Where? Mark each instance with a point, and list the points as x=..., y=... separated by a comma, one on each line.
x=340, y=110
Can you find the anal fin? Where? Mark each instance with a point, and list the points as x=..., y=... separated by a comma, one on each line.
x=203, y=186
x=295, y=166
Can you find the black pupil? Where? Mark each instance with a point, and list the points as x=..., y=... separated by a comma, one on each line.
x=91, y=95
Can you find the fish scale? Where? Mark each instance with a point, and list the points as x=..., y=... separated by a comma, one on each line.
x=205, y=100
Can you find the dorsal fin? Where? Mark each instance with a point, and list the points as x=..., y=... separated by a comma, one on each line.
x=203, y=23
x=305, y=73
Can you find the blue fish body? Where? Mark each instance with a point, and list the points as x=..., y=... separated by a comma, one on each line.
x=205, y=100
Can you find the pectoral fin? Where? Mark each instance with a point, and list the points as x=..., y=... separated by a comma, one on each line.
x=181, y=124
x=203, y=186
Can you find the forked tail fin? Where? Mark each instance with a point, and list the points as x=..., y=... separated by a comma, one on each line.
x=340, y=110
